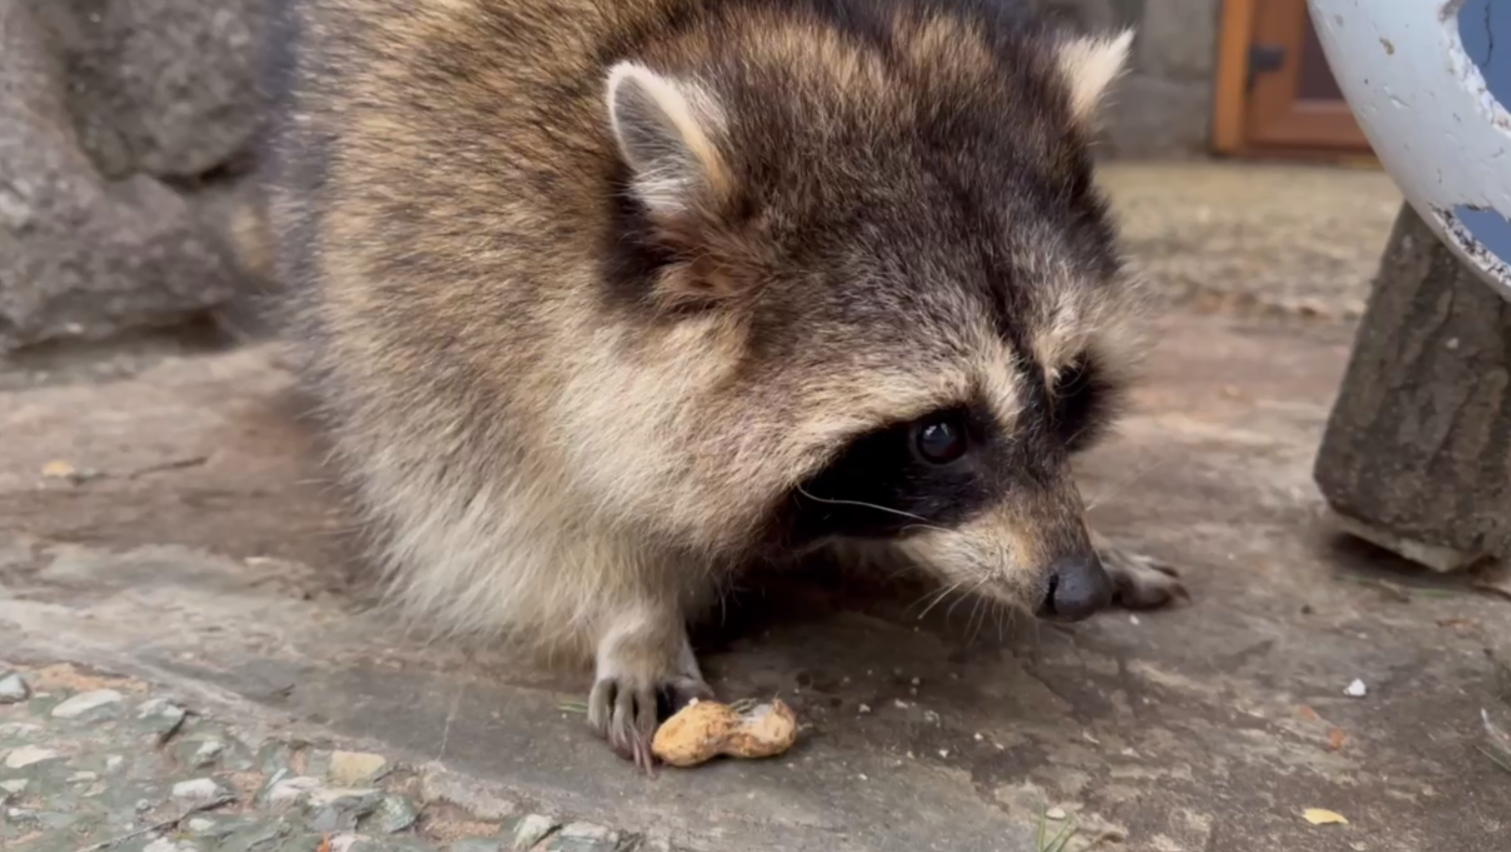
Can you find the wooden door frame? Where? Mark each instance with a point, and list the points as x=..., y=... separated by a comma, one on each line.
x=1290, y=128
x=1235, y=36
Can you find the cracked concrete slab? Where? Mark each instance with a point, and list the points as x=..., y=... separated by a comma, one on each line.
x=171, y=530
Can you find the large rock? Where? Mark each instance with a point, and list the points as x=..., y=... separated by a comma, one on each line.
x=125, y=158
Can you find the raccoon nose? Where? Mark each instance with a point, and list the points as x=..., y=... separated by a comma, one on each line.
x=1078, y=588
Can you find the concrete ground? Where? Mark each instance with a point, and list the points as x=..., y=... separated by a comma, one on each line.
x=166, y=533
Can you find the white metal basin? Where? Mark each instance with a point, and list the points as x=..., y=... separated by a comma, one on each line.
x=1426, y=80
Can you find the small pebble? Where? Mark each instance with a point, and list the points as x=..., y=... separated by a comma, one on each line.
x=469, y=844
x=864, y=709
x=1357, y=689
x=944, y=752
x=13, y=689
x=27, y=756
x=917, y=681
x=900, y=704
x=979, y=738
x=1133, y=620
x=586, y=832
x=199, y=791
x=287, y=792
x=99, y=704
x=1055, y=813
x=531, y=830
x=394, y=814
x=160, y=716
x=207, y=752
x=353, y=768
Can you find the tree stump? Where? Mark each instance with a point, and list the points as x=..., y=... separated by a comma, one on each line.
x=1416, y=456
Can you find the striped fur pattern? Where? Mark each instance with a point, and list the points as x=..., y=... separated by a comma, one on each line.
x=606, y=300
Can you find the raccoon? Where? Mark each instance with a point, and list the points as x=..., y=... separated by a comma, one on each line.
x=607, y=300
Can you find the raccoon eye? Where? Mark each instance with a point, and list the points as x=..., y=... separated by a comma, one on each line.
x=939, y=441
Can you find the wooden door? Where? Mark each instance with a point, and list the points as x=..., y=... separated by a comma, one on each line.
x=1275, y=92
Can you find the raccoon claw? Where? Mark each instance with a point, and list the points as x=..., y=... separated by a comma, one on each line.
x=628, y=715
x=1141, y=582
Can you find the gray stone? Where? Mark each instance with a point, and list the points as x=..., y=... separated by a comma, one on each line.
x=160, y=717
x=394, y=814
x=13, y=688
x=532, y=829
x=199, y=792
x=583, y=837
x=121, y=124
x=285, y=790
x=23, y=817
x=28, y=755
x=340, y=809
x=350, y=768
x=12, y=733
x=215, y=828
x=168, y=844
x=477, y=844
x=1417, y=439
x=262, y=836
x=92, y=706
x=398, y=843
x=274, y=757
x=199, y=753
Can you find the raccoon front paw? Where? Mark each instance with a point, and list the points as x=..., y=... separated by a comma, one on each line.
x=1141, y=582
x=626, y=711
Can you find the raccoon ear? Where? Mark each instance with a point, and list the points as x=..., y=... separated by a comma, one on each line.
x=1090, y=64
x=665, y=129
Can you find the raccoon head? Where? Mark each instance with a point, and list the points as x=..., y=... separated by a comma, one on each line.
x=913, y=285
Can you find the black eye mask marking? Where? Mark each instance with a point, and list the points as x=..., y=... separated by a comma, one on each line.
x=1083, y=400
x=899, y=480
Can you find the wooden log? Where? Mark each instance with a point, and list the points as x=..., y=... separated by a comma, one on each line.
x=1416, y=455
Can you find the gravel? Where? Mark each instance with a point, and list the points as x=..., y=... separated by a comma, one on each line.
x=138, y=772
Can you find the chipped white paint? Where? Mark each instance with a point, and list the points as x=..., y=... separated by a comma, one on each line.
x=1428, y=112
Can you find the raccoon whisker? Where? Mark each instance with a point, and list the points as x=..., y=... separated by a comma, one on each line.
x=974, y=626
x=963, y=596
x=938, y=595
x=900, y=513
